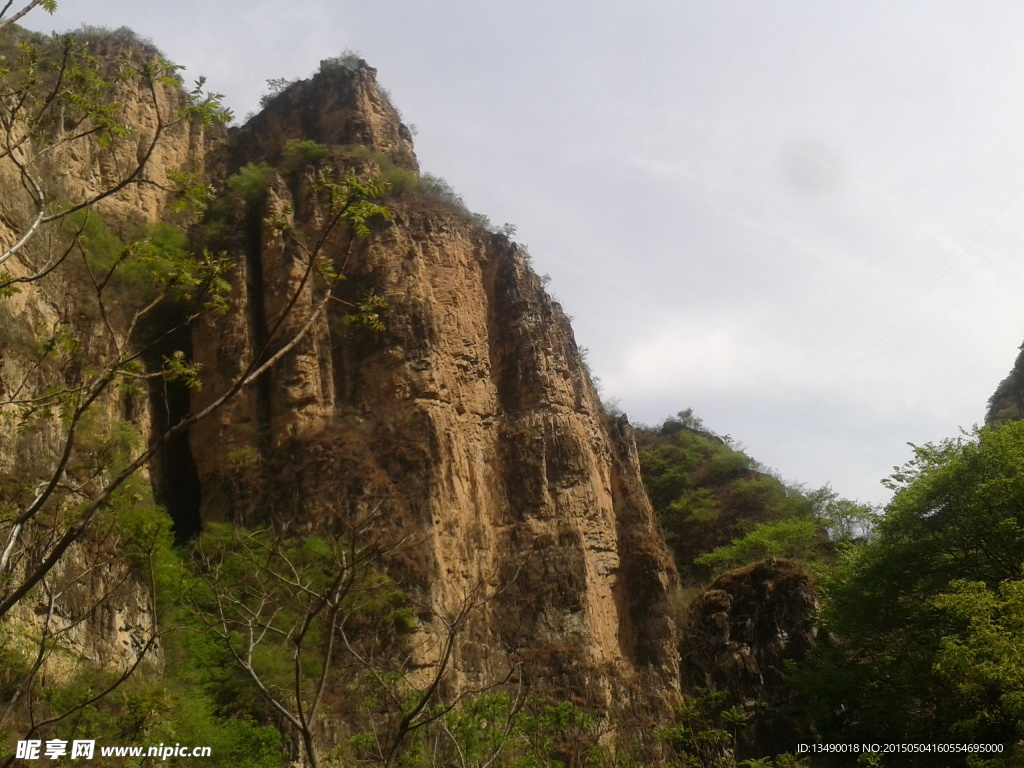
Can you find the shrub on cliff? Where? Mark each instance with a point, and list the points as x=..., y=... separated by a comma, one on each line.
x=250, y=183
x=300, y=152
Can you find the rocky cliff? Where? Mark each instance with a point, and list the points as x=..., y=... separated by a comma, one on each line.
x=468, y=426
x=739, y=634
x=469, y=422
x=55, y=336
x=1007, y=402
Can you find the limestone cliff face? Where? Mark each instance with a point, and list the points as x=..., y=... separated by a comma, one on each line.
x=469, y=423
x=468, y=427
x=100, y=610
x=739, y=634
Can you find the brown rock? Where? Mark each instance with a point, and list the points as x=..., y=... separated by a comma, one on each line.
x=470, y=421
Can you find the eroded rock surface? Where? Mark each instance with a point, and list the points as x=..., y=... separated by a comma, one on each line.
x=469, y=426
x=470, y=423
x=740, y=633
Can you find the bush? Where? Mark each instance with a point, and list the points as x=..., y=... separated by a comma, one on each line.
x=251, y=182
x=348, y=59
x=298, y=152
x=400, y=181
x=438, y=190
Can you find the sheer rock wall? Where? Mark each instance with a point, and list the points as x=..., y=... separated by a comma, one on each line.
x=469, y=426
x=470, y=423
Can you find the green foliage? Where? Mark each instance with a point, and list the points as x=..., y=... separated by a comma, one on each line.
x=985, y=661
x=204, y=107
x=400, y=181
x=298, y=153
x=367, y=314
x=361, y=152
x=706, y=731
x=927, y=609
x=438, y=190
x=284, y=613
x=154, y=266
x=197, y=698
x=847, y=522
x=148, y=710
x=102, y=248
x=706, y=494
x=719, y=509
x=180, y=368
x=350, y=200
x=107, y=443
x=688, y=420
x=958, y=511
x=251, y=182
x=797, y=539
x=726, y=465
x=191, y=195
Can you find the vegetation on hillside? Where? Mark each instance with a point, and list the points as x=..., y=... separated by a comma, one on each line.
x=720, y=509
x=922, y=613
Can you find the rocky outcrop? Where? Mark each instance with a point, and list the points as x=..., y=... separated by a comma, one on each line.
x=469, y=422
x=468, y=427
x=341, y=106
x=1007, y=402
x=740, y=633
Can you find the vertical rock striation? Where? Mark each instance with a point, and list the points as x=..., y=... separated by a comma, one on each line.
x=469, y=424
x=469, y=427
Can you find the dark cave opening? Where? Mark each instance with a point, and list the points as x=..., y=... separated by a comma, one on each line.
x=176, y=483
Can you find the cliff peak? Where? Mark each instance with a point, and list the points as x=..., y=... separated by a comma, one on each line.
x=342, y=104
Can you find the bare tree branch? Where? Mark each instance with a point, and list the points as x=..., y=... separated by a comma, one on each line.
x=20, y=14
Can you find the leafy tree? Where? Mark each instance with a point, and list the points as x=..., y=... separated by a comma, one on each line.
x=932, y=592
x=985, y=660
x=299, y=152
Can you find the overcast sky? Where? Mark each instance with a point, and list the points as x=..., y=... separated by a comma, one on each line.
x=804, y=220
